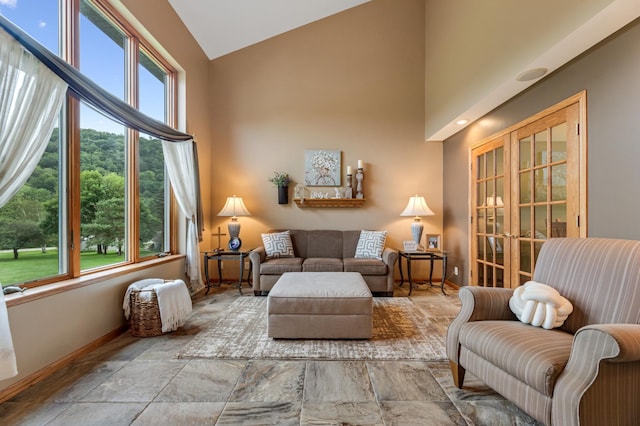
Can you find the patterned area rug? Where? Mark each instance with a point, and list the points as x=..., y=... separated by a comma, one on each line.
x=400, y=332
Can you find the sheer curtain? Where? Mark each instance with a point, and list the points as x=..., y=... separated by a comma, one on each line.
x=30, y=100
x=181, y=159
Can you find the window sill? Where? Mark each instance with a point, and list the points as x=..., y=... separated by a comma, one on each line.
x=83, y=281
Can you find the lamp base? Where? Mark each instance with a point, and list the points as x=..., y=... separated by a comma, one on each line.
x=416, y=231
x=234, y=231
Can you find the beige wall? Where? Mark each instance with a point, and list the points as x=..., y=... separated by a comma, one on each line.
x=352, y=82
x=609, y=74
x=51, y=328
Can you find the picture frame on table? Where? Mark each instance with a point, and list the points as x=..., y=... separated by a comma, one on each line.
x=433, y=242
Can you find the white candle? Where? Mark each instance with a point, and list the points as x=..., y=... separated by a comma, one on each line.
x=348, y=170
x=359, y=164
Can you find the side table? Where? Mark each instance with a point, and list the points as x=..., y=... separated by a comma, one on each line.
x=410, y=256
x=219, y=255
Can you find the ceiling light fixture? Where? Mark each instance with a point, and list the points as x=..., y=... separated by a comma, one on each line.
x=462, y=122
x=531, y=74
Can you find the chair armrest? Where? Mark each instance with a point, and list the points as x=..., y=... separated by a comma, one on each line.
x=256, y=256
x=389, y=257
x=616, y=344
x=478, y=304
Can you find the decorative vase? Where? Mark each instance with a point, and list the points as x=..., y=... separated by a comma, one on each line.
x=283, y=195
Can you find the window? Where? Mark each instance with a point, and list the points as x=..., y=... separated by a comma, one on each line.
x=99, y=196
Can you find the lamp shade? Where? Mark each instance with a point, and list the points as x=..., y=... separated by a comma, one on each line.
x=234, y=207
x=417, y=207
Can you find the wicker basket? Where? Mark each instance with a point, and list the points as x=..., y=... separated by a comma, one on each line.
x=145, y=315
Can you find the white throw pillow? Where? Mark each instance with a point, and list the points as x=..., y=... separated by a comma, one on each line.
x=277, y=244
x=540, y=305
x=371, y=244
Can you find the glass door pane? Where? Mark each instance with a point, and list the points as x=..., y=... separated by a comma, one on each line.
x=490, y=216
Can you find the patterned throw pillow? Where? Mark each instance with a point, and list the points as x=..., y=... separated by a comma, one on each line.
x=277, y=244
x=371, y=244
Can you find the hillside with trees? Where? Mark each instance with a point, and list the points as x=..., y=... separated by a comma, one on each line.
x=30, y=218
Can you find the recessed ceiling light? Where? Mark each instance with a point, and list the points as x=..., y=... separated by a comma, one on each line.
x=531, y=74
x=462, y=122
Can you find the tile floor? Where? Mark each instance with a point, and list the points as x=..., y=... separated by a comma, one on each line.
x=137, y=381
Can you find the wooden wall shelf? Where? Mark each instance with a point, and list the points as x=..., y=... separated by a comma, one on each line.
x=309, y=203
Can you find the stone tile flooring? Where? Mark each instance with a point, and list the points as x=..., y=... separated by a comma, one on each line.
x=138, y=381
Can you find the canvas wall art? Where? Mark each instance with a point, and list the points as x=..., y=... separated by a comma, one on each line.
x=322, y=167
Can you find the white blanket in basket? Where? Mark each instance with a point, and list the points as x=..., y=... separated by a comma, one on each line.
x=174, y=301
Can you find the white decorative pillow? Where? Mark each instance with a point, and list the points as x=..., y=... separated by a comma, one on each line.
x=540, y=305
x=277, y=244
x=371, y=244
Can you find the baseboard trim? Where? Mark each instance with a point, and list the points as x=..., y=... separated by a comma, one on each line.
x=452, y=285
x=22, y=384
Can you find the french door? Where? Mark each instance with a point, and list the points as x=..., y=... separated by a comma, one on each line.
x=528, y=185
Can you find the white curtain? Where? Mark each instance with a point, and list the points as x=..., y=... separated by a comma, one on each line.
x=30, y=100
x=182, y=168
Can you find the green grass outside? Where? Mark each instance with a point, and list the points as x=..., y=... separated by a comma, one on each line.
x=34, y=264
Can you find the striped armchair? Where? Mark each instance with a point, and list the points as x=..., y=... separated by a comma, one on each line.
x=585, y=372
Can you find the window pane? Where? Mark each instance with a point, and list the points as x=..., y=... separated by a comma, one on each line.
x=525, y=256
x=102, y=192
x=559, y=182
x=480, y=166
x=480, y=191
x=540, y=187
x=153, y=193
x=490, y=164
x=541, y=148
x=102, y=145
x=152, y=88
x=525, y=153
x=30, y=239
x=540, y=216
x=102, y=54
x=559, y=142
x=500, y=161
x=154, y=212
x=525, y=187
x=525, y=221
x=37, y=18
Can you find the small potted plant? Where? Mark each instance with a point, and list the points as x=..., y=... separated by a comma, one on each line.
x=281, y=180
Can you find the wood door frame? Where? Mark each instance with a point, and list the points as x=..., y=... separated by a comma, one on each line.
x=581, y=100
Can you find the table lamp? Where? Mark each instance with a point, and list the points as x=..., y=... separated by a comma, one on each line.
x=417, y=207
x=234, y=207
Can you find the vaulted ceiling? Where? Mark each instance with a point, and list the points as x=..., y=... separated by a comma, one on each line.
x=475, y=50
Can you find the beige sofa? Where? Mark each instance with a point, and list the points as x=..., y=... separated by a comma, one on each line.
x=585, y=372
x=324, y=251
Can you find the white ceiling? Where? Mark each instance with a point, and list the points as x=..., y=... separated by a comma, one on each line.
x=223, y=26
x=460, y=41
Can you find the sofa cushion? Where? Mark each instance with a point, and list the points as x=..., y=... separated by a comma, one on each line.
x=533, y=355
x=281, y=265
x=371, y=244
x=322, y=264
x=324, y=243
x=277, y=244
x=365, y=266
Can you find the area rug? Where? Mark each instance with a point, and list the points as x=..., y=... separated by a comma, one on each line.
x=400, y=332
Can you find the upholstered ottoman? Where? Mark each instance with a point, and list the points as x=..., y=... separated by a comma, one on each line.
x=320, y=305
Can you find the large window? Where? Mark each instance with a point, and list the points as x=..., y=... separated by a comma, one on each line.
x=99, y=196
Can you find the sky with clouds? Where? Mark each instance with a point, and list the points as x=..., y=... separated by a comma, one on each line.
x=101, y=59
